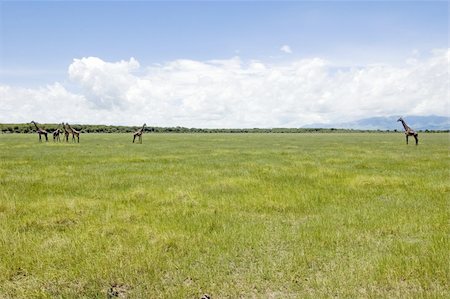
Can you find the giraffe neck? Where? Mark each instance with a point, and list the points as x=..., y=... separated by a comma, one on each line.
x=142, y=130
x=405, y=125
x=37, y=128
x=74, y=131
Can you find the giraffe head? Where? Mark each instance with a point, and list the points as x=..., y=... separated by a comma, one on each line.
x=32, y=122
x=400, y=119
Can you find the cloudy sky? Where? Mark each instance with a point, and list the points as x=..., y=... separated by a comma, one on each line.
x=222, y=64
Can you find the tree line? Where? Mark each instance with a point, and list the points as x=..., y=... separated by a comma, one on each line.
x=27, y=128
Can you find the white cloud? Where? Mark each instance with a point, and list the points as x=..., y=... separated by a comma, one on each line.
x=52, y=103
x=233, y=93
x=104, y=82
x=286, y=49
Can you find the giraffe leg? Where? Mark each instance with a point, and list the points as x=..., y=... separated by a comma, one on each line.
x=40, y=138
x=417, y=139
x=406, y=139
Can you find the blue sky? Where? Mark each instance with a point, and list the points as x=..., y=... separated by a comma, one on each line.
x=46, y=36
x=39, y=40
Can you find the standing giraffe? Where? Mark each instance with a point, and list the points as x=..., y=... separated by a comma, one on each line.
x=66, y=132
x=139, y=133
x=74, y=133
x=40, y=131
x=409, y=131
x=56, y=134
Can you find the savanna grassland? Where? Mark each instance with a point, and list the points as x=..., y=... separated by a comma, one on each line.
x=229, y=215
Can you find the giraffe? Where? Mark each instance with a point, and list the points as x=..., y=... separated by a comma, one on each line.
x=139, y=133
x=56, y=134
x=40, y=131
x=74, y=133
x=409, y=131
x=66, y=132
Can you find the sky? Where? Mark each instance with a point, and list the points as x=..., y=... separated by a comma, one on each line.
x=217, y=64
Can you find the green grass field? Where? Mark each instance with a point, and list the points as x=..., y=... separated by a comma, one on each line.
x=251, y=216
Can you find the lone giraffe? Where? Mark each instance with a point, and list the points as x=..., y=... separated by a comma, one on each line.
x=409, y=131
x=56, y=134
x=40, y=131
x=139, y=133
x=66, y=132
x=74, y=133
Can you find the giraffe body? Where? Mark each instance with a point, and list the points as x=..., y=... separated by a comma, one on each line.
x=139, y=134
x=409, y=131
x=40, y=132
x=56, y=134
x=66, y=132
x=74, y=133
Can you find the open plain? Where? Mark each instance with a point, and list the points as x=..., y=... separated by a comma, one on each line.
x=229, y=215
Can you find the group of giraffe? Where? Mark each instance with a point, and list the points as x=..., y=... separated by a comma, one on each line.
x=66, y=129
x=69, y=130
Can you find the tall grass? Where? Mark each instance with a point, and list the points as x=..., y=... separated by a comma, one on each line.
x=264, y=216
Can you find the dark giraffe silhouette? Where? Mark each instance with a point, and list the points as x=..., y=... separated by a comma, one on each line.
x=56, y=134
x=139, y=134
x=66, y=132
x=409, y=131
x=74, y=133
x=40, y=131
